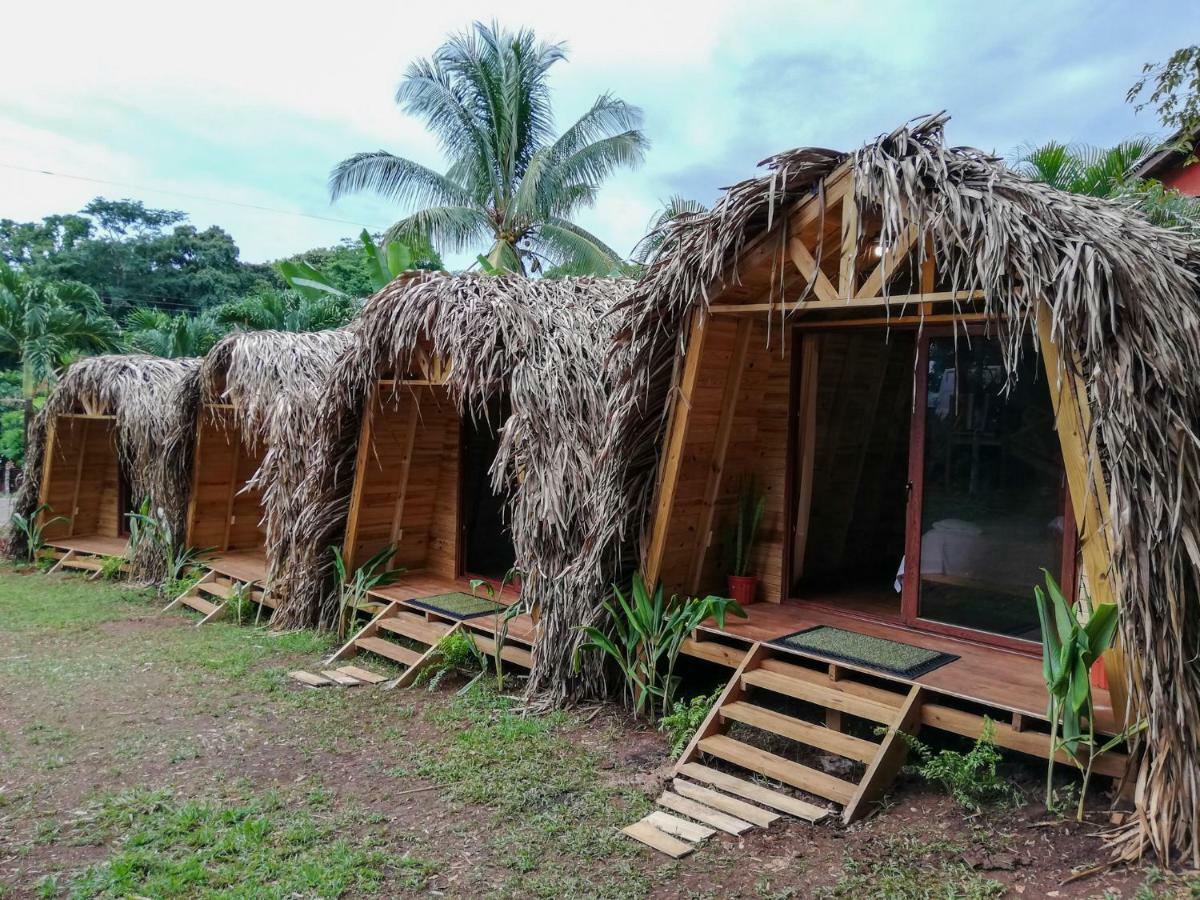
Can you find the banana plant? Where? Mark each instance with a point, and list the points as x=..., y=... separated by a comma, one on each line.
x=647, y=633
x=353, y=587
x=34, y=531
x=504, y=619
x=1069, y=649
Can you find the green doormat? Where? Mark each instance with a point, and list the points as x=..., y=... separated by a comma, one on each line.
x=893, y=657
x=458, y=605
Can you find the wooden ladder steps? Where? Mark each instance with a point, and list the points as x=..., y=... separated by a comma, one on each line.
x=703, y=813
x=748, y=790
x=739, y=809
x=391, y=650
x=810, y=691
x=418, y=628
x=518, y=656
x=713, y=651
x=808, y=733
x=772, y=766
x=198, y=603
x=86, y=563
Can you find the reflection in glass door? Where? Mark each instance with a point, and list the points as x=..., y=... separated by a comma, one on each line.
x=990, y=489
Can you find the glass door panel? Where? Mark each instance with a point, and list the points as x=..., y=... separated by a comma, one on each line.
x=991, y=490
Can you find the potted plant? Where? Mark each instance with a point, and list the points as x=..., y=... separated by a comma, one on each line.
x=742, y=534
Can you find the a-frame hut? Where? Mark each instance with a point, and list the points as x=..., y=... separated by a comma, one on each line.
x=99, y=449
x=459, y=428
x=250, y=405
x=940, y=378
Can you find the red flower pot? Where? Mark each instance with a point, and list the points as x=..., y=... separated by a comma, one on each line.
x=743, y=588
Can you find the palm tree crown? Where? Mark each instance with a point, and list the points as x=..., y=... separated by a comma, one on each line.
x=510, y=181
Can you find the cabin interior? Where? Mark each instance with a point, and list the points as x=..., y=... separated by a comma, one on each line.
x=85, y=482
x=912, y=492
x=225, y=513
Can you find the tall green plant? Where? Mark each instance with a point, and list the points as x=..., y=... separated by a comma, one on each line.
x=149, y=527
x=504, y=620
x=1069, y=649
x=510, y=182
x=353, y=586
x=742, y=532
x=647, y=632
x=34, y=531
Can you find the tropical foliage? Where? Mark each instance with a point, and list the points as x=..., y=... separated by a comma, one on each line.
x=674, y=207
x=285, y=311
x=510, y=181
x=172, y=336
x=1174, y=90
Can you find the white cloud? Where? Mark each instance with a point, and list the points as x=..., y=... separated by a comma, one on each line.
x=254, y=102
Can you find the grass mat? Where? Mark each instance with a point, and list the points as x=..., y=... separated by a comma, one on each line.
x=893, y=657
x=458, y=605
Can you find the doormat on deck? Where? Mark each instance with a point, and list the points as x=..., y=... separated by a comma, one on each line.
x=458, y=605
x=893, y=657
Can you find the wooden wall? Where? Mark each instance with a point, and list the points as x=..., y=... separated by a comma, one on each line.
x=221, y=515
x=752, y=423
x=407, y=484
x=80, y=478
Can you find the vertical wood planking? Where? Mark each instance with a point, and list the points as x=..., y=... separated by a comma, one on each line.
x=365, y=436
x=807, y=415
x=410, y=437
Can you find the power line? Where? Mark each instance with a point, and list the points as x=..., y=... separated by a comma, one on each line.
x=201, y=197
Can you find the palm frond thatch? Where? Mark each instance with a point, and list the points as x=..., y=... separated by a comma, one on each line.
x=1125, y=307
x=273, y=380
x=544, y=345
x=140, y=392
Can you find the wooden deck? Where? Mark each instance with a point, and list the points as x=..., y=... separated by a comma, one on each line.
x=248, y=566
x=1002, y=679
x=415, y=585
x=92, y=545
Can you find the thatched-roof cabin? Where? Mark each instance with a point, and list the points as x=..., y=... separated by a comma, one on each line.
x=460, y=427
x=940, y=378
x=98, y=449
x=250, y=409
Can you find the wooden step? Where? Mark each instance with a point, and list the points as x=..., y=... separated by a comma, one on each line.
x=740, y=809
x=680, y=828
x=88, y=564
x=793, y=806
x=651, y=836
x=389, y=649
x=821, y=695
x=418, y=628
x=714, y=652
x=706, y=814
x=518, y=656
x=807, y=733
x=198, y=603
x=847, y=684
x=797, y=775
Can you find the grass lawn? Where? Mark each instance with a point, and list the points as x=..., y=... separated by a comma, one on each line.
x=141, y=756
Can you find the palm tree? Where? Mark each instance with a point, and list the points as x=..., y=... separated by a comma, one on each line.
x=484, y=94
x=45, y=324
x=174, y=336
x=674, y=207
x=1104, y=172
x=286, y=311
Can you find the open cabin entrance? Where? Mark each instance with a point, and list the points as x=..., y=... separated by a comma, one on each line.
x=929, y=488
x=83, y=482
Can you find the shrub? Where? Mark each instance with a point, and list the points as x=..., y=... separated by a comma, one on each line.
x=970, y=777
x=684, y=718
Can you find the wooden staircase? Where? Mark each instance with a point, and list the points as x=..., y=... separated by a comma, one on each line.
x=421, y=632
x=79, y=562
x=210, y=596
x=759, y=681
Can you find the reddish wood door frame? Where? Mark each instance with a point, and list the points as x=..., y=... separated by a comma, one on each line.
x=910, y=592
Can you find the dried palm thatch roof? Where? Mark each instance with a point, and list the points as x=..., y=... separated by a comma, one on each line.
x=1125, y=306
x=273, y=380
x=139, y=392
x=543, y=344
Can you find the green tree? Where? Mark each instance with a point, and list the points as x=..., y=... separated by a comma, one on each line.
x=379, y=264
x=174, y=336
x=510, y=181
x=286, y=311
x=674, y=207
x=1174, y=91
x=1104, y=172
x=45, y=324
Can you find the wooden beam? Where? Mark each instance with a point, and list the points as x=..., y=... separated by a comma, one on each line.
x=886, y=765
x=849, y=258
x=1089, y=493
x=729, y=400
x=366, y=435
x=803, y=259
x=83, y=447
x=676, y=436
x=231, y=497
x=888, y=263
x=410, y=438
x=901, y=321
x=807, y=413
x=846, y=303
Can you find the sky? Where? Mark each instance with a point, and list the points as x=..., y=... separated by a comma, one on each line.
x=236, y=112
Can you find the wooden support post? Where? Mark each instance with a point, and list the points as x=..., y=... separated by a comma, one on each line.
x=729, y=401
x=410, y=438
x=677, y=430
x=889, y=759
x=1089, y=493
x=61, y=560
x=733, y=691
x=807, y=264
x=807, y=414
x=74, y=514
x=366, y=435
x=849, y=257
x=232, y=495
x=888, y=263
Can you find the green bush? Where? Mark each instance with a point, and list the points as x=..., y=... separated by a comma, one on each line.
x=970, y=777
x=684, y=718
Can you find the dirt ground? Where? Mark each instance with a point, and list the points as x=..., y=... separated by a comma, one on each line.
x=140, y=756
